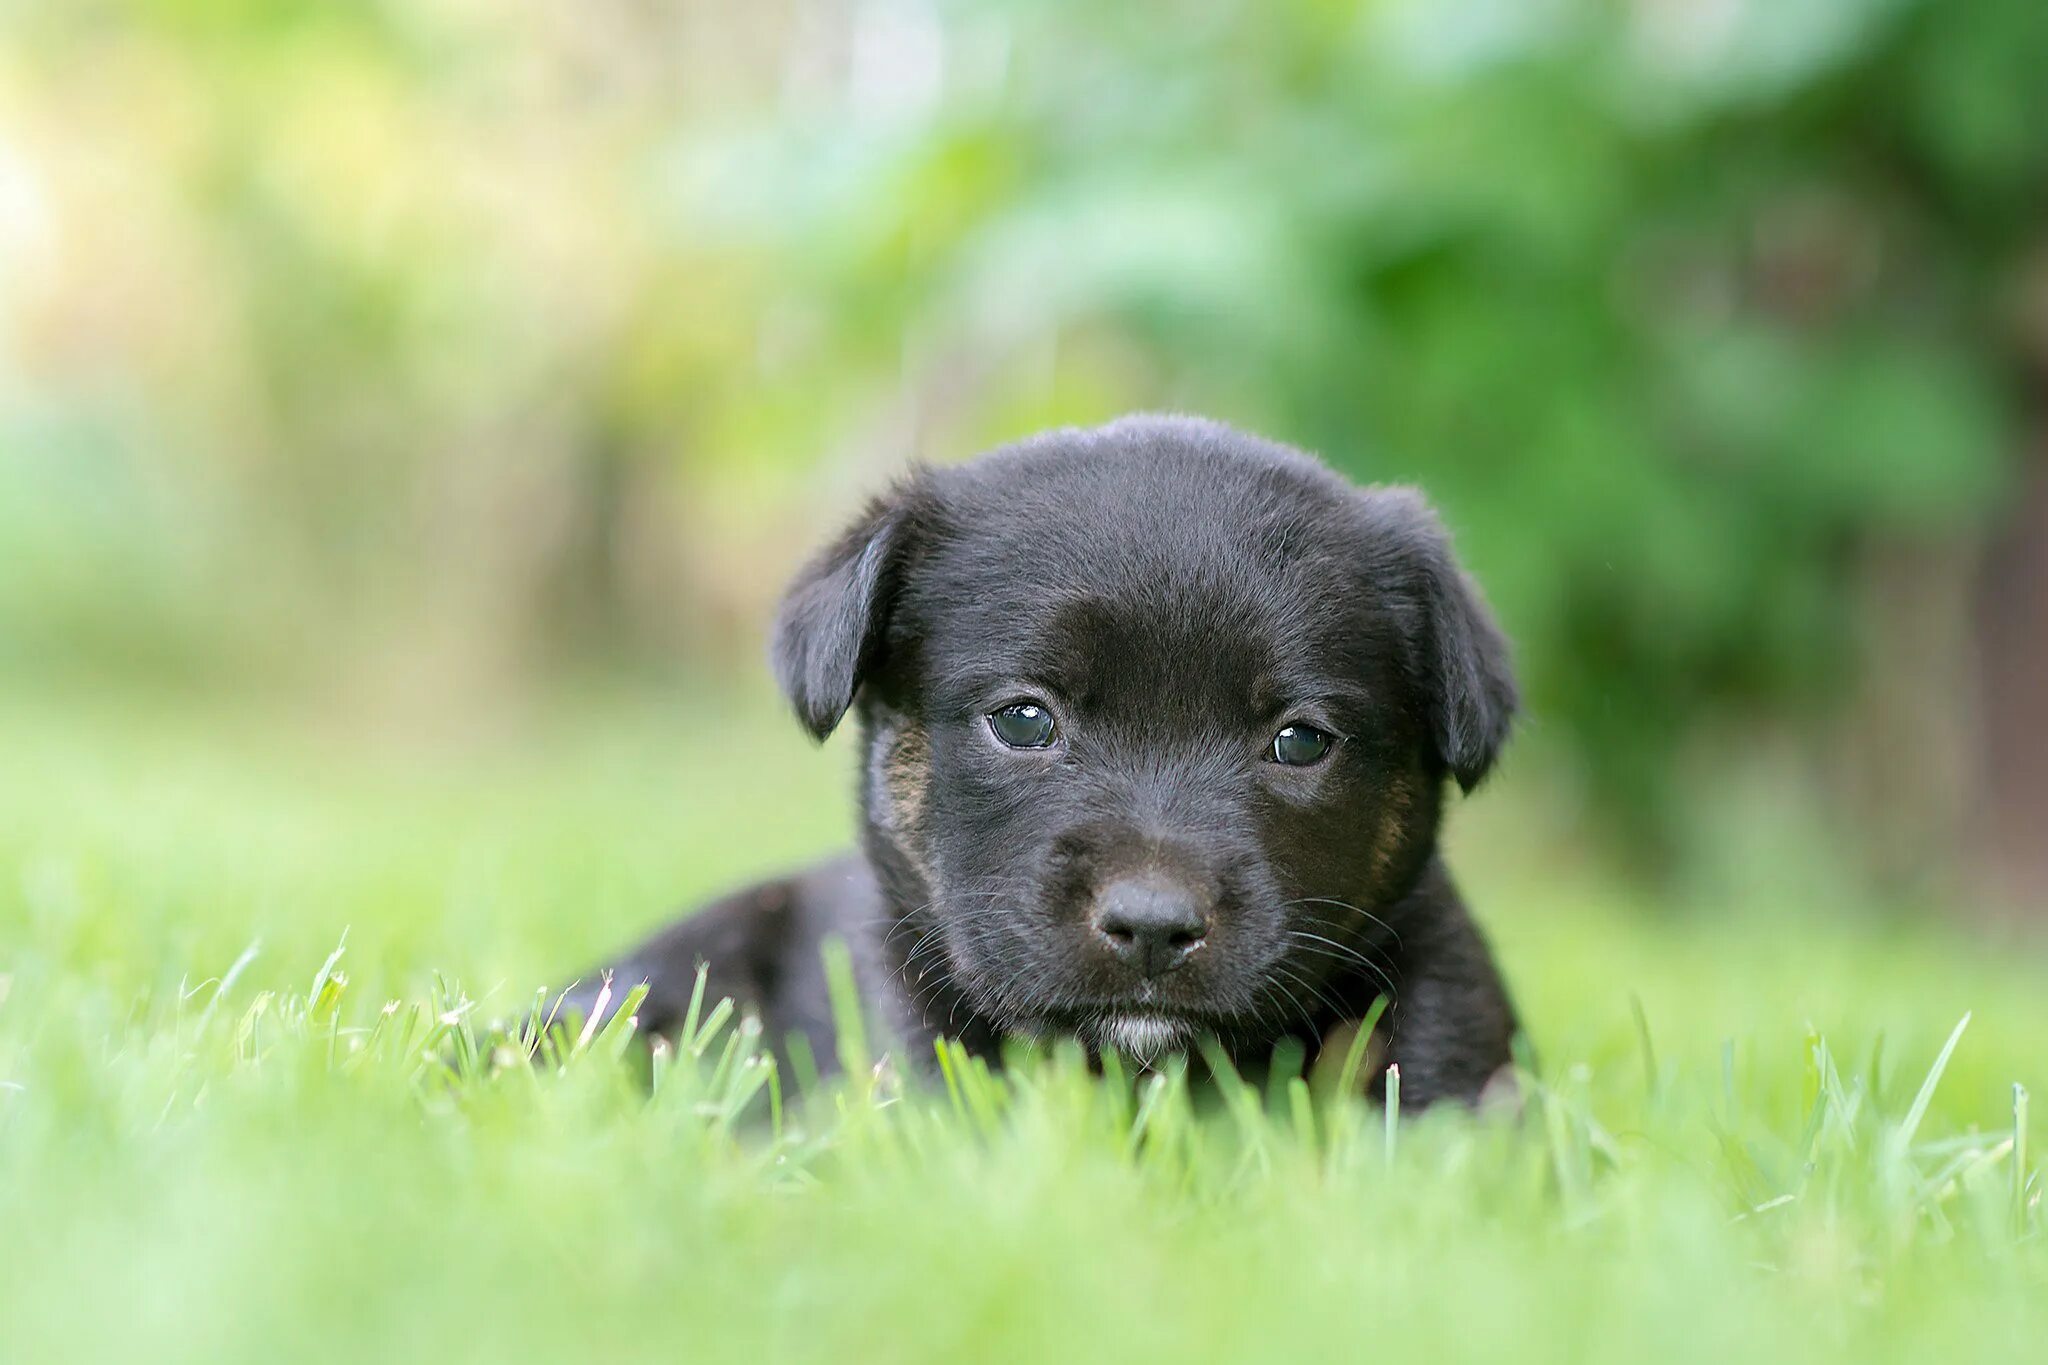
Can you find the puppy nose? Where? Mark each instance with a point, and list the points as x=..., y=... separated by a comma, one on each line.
x=1153, y=925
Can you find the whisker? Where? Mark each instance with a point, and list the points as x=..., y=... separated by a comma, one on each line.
x=1392, y=932
x=1343, y=951
x=1314, y=991
x=1308, y=1019
x=1350, y=956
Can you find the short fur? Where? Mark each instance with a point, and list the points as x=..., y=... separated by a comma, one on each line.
x=1174, y=591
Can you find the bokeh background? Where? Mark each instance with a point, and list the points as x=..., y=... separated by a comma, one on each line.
x=423, y=378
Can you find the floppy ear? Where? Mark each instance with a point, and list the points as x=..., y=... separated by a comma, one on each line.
x=829, y=629
x=1458, y=655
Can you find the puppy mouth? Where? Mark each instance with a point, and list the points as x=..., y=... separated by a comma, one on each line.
x=1140, y=1030
x=1142, y=1035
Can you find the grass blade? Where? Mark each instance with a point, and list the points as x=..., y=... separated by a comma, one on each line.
x=1393, y=1114
x=2019, y=1159
x=1911, y=1125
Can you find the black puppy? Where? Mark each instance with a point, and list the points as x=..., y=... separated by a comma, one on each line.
x=1156, y=720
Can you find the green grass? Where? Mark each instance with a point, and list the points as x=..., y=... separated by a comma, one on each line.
x=1746, y=1137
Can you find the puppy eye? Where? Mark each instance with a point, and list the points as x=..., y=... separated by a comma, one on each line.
x=1297, y=746
x=1023, y=725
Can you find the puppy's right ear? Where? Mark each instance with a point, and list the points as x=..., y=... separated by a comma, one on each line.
x=829, y=631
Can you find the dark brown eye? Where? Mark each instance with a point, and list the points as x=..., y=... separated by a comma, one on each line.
x=1298, y=746
x=1023, y=725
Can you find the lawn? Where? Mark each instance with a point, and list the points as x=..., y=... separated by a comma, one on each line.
x=235, y=944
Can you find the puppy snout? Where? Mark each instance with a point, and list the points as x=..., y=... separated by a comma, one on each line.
x=1152, y=924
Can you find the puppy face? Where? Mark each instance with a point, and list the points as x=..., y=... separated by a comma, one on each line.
x=1156, y=719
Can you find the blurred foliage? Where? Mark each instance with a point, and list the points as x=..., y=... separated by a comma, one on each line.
x=436, y=343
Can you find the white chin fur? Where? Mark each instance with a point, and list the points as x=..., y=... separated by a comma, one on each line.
x=1144, y=1036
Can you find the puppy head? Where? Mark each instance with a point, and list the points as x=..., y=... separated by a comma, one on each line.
x=1157, y=718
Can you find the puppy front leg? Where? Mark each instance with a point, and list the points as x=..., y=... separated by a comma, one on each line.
x=738, y=942
x=1453, y=1026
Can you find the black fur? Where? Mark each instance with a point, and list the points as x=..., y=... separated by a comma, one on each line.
x=1174, y=592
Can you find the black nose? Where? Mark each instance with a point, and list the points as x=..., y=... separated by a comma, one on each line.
x=1151, y=923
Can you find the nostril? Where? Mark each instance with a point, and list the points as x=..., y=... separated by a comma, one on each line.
x=1187, y=938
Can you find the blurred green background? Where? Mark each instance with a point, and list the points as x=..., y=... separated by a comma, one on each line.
x=424, y=370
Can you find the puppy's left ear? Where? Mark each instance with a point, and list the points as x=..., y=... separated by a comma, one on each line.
x=830, y=630
x=1458, y=656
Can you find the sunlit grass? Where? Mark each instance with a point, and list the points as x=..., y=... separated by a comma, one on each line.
x=242, y=1116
